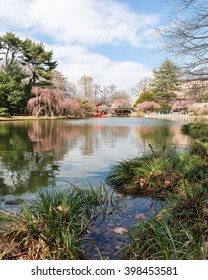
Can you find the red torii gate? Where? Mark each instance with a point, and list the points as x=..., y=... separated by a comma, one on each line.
x=98, y=113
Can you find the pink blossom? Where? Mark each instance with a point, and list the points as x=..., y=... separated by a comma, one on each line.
x=50, y=102
x=148, y=105
x=120, y=103
x=182, y=105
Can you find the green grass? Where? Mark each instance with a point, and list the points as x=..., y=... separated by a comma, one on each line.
x=51, y=227
x=159, y=174
x=196, y=130
x=178, y=230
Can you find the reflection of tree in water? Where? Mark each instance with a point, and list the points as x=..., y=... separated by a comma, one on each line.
x=97, y=135
x=30, y=151
x=155, y=136
x=158, y=136
x=52, y=136
x=178, y=138
x=28, y=163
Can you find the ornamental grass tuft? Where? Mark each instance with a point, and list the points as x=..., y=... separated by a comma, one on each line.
x=52, y=226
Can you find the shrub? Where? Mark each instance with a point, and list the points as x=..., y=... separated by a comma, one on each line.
x=196, y=130
x=4, y=112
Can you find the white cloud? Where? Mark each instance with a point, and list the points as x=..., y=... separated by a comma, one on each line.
x=76, y=61
x=90, y=22
x=76, y=26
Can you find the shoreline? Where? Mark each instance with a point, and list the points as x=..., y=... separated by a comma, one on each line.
x=170, y=117
x=26, y=118
x=176, y=117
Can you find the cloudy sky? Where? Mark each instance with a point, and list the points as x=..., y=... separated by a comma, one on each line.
x=113, y=41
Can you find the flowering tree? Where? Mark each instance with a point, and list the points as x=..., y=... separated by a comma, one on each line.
x=121, y=103
x=49, y=102
x=182, y=105
x=148, y=106
x=72, y=107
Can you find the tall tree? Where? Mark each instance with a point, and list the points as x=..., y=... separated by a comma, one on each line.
x=24, y=63
x=142, y=86
x=86, y=84
x=10, y=47
x=198, y=91
x=12, y=89
x=165, y=82
x=142, y=91
x=38, y=62
x=187, y=36
x=96, y=88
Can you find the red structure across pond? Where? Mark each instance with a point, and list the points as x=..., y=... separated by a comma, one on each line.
x=98, y=113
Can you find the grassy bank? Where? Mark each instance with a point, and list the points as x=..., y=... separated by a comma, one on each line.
x=52, y=226
x=180, y=228
x=159, y=174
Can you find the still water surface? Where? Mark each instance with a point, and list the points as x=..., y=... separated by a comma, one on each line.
x=49, y=153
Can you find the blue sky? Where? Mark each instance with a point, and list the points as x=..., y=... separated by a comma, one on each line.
x=114, y=41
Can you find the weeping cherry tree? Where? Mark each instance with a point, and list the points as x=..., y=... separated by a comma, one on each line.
x=49, y=102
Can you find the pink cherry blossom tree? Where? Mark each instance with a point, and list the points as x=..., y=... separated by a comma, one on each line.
x=72, y=107
x=182, y=105
x=121, y=103
x=148, y=106
x=49, y=102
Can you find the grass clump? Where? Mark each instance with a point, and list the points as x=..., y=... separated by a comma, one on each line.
x=158, y=174
x=178, y=231
x=196, y=130
x=52, y=227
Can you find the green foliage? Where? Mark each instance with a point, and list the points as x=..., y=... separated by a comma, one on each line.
x=159, y=174
x=51, y=227
x=196, y=130
x=178, y=231
x=24, y=63
x=165, y=82
x=146, y=96
x=13, y=92
x=10, y=46
x=38, y=61
x=3, y=112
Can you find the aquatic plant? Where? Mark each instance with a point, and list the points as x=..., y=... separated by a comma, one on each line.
x=51, y=227
x=178, y=231
x=153, y=174
x=158, y=173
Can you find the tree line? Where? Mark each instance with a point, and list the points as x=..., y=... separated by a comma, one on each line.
x=30, y=83
x=170, y=89
x=185, y=39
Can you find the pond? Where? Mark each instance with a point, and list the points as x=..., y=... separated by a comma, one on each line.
x=42, y=154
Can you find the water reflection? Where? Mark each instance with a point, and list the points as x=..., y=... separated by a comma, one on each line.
x=168, y=136
x=43, y=154
x=38, y=154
